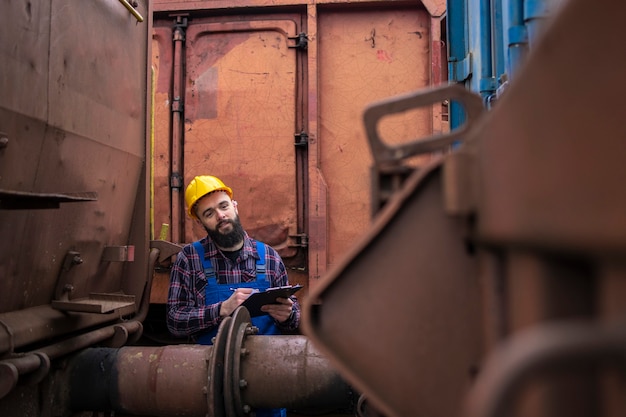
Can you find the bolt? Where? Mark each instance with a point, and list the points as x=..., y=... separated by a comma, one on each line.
x=243, y=383
x=244, y=352
x=77, y=260
x=252, y=330
x=246, y=408
x=4, y=140
x=205, y=390
x=68, y=288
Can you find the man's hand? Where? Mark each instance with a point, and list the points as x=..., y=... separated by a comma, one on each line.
x=280, y=311
x=239, y=296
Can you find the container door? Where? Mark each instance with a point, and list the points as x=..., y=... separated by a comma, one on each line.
x=240, y=110
x=230, y=86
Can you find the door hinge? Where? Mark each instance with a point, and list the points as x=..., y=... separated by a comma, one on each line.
x=302, y=41
x=181, y=23
x=301, y=139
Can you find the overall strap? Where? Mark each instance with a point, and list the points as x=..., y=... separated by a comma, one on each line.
x=260, y=263
x=209, y=271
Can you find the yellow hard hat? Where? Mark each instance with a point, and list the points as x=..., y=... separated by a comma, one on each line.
x=201, y=186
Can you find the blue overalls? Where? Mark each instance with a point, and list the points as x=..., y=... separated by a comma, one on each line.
x=215, y=292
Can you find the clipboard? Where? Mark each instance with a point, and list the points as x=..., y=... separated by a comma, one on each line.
x=269, y=296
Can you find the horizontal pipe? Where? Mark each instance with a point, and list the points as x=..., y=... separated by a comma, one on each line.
x=92, y=338
x=279, y=372
x=38, y=324
x=155, y=381
x=36, y=364
x=289, y=371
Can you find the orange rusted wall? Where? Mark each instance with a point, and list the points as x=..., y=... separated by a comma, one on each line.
x=246, y=92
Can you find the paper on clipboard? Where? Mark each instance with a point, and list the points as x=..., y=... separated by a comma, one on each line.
x=269, y=296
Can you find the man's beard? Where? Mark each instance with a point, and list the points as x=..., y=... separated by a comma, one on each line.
x=229, y=239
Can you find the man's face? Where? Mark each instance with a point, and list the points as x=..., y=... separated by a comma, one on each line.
x=220, y=218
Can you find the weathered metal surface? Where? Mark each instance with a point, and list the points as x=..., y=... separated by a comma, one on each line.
x=549, y=177
x=364, y=55
x=79, y=129
x=72, y=174
x=408, y=296
x=537, y=191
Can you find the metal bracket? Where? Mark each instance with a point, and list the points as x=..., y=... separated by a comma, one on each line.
x=302, y=41
x=64, y=286
x=95, y=302
x=166, y=249
x=302, y=139
x=385, y=154
x=180, y=26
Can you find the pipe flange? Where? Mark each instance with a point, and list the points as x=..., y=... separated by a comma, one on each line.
x=215, y=384
x=238, y=331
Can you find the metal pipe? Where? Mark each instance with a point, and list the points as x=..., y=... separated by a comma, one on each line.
x=487, y=82
x=132, y=10
x=176, y=176
x=535, y=13
x=285, y=370
x=36, y=364
x=38, y=324
x=156, y=381
x=245, y=371
x=517, y=37
x=549, y=348
x=89, y=339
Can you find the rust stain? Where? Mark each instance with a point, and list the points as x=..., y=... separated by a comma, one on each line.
x=155, y=369
x=383, y=55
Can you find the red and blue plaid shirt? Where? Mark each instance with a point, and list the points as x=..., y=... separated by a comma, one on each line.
x=187, y=313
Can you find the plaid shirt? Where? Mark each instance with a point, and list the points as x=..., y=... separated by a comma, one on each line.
x=187, y=313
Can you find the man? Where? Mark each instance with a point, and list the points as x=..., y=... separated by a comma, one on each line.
x=213, y=276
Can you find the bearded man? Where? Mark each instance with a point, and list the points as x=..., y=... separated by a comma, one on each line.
x=213, y=276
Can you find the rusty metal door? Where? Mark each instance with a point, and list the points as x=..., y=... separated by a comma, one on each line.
x=230, y=87
x=240, y=100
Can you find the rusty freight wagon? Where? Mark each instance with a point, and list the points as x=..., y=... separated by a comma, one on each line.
x=445, y=179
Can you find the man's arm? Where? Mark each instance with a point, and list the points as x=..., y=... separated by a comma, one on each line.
x=186, y=312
